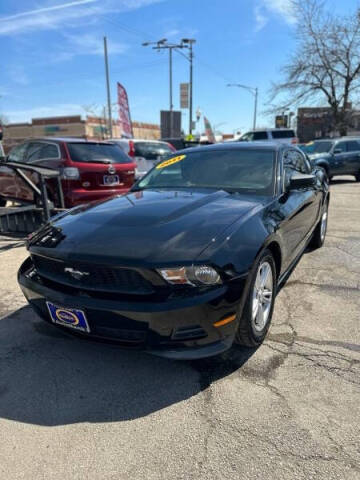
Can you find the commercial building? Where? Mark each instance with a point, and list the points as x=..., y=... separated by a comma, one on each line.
x=92, y=128
x=317, y=122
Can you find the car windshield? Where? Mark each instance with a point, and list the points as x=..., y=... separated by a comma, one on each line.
x=97, y=153
x=243, y=171
x=320, y=147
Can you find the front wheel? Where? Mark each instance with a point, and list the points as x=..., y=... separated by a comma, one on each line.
x=357, y=177
x=258, y=309
x=319, y=234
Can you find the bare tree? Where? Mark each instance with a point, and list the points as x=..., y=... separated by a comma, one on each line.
x=326, y=63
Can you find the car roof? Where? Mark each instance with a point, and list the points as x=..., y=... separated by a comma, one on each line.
x=337, y=139
x=65, y=139
x=271, y=130
x=135, y=140
x=276, y=146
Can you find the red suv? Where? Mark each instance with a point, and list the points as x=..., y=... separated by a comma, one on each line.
x=89, y=170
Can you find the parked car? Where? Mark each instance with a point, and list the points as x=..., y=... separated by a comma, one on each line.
x=340, y=156
x=145, y=153
x=280, y=135
x=190, y=260
x=90, y=170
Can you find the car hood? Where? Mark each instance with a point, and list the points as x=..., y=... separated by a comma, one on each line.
x=146, y=227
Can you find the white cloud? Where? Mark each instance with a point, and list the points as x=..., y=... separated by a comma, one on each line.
x=17, y=74
x=60, y=15
x=260, y=18
x=62, y=109
x=281, y=8
x=91, y=44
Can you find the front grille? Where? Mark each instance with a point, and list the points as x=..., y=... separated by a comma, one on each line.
x=95, y=277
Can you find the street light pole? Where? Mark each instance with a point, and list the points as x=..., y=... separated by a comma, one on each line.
x=108, y=87
x=191, y=88
x=254, y=91
x=255, y=107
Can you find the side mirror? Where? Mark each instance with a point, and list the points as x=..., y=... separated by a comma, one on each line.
x=301, y=180
x=338, y=150
x=3, y=159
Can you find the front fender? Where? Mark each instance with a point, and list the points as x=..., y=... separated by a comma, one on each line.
x=237, y=249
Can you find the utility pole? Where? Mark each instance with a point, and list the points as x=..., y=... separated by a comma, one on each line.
x=254, y=91
x=189, y=44
x=108, y=87
x=185, y=43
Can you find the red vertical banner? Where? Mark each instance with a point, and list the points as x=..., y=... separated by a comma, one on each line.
x=124, y=112
x=208, y=131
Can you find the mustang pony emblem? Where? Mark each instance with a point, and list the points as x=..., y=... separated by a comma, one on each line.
x=76, y=273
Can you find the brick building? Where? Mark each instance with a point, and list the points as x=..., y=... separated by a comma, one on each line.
x=92, y=128
x=317, y=122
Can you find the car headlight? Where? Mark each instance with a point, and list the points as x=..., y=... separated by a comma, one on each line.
x=195, y=275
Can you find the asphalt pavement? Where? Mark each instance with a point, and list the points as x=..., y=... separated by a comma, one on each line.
x=71, y=409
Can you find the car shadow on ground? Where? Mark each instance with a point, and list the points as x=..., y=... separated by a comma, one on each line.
x=9, y=241
x=48, y=378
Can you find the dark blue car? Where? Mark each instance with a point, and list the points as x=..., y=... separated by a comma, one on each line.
x=340, y=156
x=190, y=260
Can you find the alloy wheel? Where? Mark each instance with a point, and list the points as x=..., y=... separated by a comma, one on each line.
x=262, y=296
x=323, y=226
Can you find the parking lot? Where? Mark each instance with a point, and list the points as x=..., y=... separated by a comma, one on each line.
x=289, y=410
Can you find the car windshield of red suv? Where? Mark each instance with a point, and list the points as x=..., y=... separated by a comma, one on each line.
x=97, y=153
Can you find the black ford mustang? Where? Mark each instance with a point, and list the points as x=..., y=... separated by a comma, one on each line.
x=190, y=260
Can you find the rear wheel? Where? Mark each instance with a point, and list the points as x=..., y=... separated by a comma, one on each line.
x=319, y=234
x=257, y=313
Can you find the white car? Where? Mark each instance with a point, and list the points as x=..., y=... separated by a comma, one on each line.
x=145, y=153
x=278, y=135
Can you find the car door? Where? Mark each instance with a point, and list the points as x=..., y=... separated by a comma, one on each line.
x=9, y=187
x=339, y=159
x=352, y=162
x=299, y=208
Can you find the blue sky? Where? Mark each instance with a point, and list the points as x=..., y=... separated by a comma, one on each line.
x=52, y=55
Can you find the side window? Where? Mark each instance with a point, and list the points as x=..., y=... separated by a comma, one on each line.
x=33, y=152
x=296, y=161
x=48, y=151
x=260, y=136
x=340, y=146
x=17, y=154
x=248, y=137
x=353, y=146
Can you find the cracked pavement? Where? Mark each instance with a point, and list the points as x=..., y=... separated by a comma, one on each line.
x=289, y=410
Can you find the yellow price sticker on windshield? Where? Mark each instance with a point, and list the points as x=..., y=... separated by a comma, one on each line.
x=171, y=161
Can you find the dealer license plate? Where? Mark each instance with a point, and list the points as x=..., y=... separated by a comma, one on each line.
x=68, y=317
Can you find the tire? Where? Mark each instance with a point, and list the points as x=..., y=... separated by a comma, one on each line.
x=319, y=234
x=2, y=202
x=357, y=177
x=252, y=329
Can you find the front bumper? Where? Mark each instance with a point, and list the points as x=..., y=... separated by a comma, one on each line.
x=178, y=328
